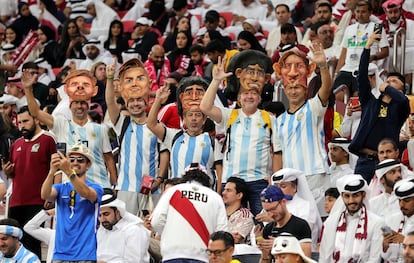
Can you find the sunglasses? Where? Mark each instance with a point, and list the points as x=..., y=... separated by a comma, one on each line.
x=78, y=159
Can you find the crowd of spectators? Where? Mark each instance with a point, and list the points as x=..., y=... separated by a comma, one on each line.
x=280, y=122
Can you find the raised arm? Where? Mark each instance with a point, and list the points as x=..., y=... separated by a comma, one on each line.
x=161, y=97
x=28, y=80
x=207, y=103
x=319, y=59
x=80, y=186
x=47, y=192
x=110, y=99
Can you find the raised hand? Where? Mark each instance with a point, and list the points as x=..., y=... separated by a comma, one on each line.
x=110, y=69
x=162, y=94
x=219, y=72
x=319, y=57
x=28, y=79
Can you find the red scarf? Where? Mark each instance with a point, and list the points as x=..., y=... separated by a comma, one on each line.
x=152, y=73
x=386, y=24
x=199, y=69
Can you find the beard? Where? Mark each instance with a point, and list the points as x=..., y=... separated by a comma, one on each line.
x=28, y=134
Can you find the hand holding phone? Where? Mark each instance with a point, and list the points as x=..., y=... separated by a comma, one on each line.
x=378, y=30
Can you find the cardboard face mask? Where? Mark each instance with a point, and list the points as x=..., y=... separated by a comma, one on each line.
x=191, y=97
x=80, y=86
x=134, y=84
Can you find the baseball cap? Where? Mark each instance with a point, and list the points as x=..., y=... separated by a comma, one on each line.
x=273, y=193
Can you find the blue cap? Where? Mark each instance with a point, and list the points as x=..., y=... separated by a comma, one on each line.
x=272, y=193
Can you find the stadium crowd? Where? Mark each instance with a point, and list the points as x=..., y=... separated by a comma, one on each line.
x=191, y=131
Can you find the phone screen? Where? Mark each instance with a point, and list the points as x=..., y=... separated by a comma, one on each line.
x=61, y=147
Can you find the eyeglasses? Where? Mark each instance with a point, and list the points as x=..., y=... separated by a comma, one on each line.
x=260, y=73
x=217, y=252
x=272, y=209
x=78, y=159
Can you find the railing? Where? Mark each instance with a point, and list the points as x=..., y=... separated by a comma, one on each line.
x=400, y=67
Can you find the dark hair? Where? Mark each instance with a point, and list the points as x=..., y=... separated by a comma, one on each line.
x=30, y=65
x=225, y=236
x=364, y=3
x=215, y=34
x=212, y=16
x=186, y=82
x=285, y=5
x=173, y=181
x=24, y=109
x=19, y=37
x=10, y=222
x=287, y=28
x=399, y=76
x=48, y=32
x=197, y=48
x=322, y=4
x=198, y=176
x=333, y=191
x=216, y=45
x=179, y=4
x=241, y=187
x=64, y=37
x=249, y=37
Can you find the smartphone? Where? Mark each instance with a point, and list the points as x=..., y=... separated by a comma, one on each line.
x=386, y=230
x=61, y=147
x=145, y=212
x=379, y=28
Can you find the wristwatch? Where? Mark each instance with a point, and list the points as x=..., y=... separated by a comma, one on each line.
x=72, y=175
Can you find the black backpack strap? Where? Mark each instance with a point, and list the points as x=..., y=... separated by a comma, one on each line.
x=125, y=124
x=176, y=136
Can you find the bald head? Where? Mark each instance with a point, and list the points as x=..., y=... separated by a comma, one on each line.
x=157, y=56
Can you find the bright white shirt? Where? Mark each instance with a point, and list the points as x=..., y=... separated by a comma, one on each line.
x=384, y=204
x=126, y=243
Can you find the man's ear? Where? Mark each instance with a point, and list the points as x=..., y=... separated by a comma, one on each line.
x=277, y=68
x=312, y=68
x=238, y=72
x=95, y=91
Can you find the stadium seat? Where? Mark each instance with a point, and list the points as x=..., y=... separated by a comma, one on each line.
x=128, y=26
x=228, y=16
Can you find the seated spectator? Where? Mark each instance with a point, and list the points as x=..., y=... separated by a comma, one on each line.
x=331, y=194
x=51, y=51
x=240, y=218
x=116, y=43
x=71, y=41
x=183, y=24
x=102, y=16
x=254, y=27
x=143, y=38
x=180, y=57
x=25, y=20
x=246, y=40
x=342, y=161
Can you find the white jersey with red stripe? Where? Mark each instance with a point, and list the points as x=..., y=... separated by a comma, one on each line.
x=179, y=238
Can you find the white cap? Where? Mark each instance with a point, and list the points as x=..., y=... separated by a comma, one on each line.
x=144, y=21
x=385, y=166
